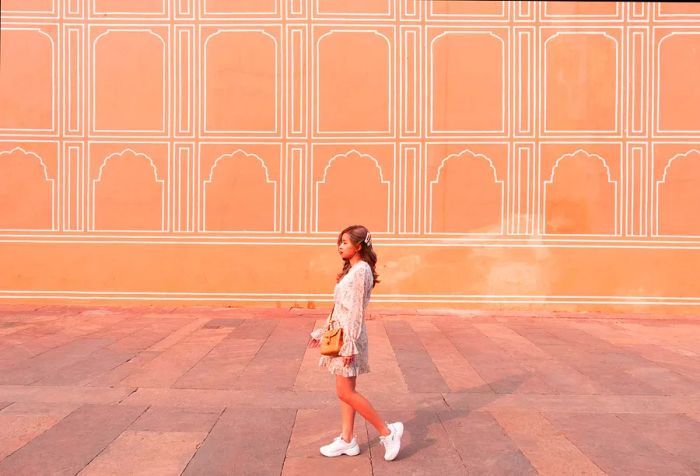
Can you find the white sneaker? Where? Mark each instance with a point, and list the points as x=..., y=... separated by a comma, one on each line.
x=392, y=442
x=341, y=447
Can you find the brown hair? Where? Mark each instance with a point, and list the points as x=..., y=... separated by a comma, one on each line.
x=359, y=235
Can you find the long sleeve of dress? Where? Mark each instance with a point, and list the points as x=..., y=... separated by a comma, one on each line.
x=318, y=333
x=354, y=302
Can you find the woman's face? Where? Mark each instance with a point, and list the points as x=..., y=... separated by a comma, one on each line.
x=346, y=249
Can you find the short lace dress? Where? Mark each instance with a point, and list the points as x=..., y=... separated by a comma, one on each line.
x=351, y=297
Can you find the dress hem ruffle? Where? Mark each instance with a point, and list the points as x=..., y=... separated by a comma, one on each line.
x=336, y=367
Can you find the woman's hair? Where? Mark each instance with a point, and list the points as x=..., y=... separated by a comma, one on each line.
x=359, y=235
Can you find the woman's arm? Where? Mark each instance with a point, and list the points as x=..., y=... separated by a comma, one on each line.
x=316, y=334
x=355, y=305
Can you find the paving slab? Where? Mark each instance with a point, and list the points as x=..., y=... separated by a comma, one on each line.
x=22, y=422
x=418, y=369
x=246, y=443
x=599, y=437
x=173, y=419
x=426, y=447
x=69, y=445
x=146, y=453
x=547, y=449
x=314, y=428
x=457, y=372
x=676, y=433
x=483, y=445
x=174, y=361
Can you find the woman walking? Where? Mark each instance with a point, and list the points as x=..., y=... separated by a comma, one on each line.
x=351, y=296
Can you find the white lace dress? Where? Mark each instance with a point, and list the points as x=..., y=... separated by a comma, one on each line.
x=351, y=297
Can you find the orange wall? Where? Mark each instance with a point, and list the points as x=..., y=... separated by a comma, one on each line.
x=505, y=154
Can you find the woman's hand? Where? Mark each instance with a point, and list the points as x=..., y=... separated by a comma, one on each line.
x=314, y=343
x=348, y=360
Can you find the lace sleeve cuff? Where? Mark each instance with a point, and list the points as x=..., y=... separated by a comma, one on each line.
x=349, y=347
x=318, y=333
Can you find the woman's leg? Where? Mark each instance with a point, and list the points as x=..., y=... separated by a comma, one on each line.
x=347, y=415
x=345, y=388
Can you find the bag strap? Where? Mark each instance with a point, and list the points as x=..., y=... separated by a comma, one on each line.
x=328, y=321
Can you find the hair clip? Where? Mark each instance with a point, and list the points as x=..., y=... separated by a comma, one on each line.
x=368, y=239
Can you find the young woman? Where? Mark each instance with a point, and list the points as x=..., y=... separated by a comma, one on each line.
x=351, y=296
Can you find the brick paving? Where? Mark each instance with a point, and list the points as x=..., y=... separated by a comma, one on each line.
x=209, y=391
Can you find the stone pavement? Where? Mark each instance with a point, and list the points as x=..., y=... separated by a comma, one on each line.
x=209, y=391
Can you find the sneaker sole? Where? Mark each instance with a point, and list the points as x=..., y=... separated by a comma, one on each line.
x=354, y=451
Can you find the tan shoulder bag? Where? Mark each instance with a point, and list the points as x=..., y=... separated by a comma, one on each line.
x=332, y=339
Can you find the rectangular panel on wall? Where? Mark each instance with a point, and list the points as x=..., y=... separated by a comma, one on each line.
x=577, y=207
x=677, y=11
x=347, y=101
x=129, y=8
x=240, y=8
x=183, y=188
x=362, y=8
x=410, y=9
x=676, y=79
x=29, y=89
x=73, y=73
x=467, y=73
x=471, y=11
x=235, y=101
x=297, y=98
x=638, y=11
x=296, y=188
x=336, y=168
x=524, y=11
x=409, y=188
x=128, y=186
x=674, y=196
x=73, y=8
x=636, y=189
x=29, y=8
x=140, y=57
x=523, y=186
x=410, y=87
x=466, y=188
x=73, y=186
x=581, y=11
x=576, y=99
x=637, y=81
x=185, y=9
x=523, y=81
x=184, y=37
x=297, y=9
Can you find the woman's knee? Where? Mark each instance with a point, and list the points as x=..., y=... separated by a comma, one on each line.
x=344, y=390
x=344, y=394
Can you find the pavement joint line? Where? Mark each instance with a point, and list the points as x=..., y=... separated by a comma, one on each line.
x=29, y=441
x=179, y=335
x=201, y=443
x=289, y=439
x=102, y=450
x=127, y=395
x=200, y=359
x=369, y=451
x=247, y=364
x=452, y=443
x=442, y=395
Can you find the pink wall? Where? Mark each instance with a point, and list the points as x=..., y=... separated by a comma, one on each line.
x=504, y=154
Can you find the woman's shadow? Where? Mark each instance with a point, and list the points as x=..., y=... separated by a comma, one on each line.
x=464, y=404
